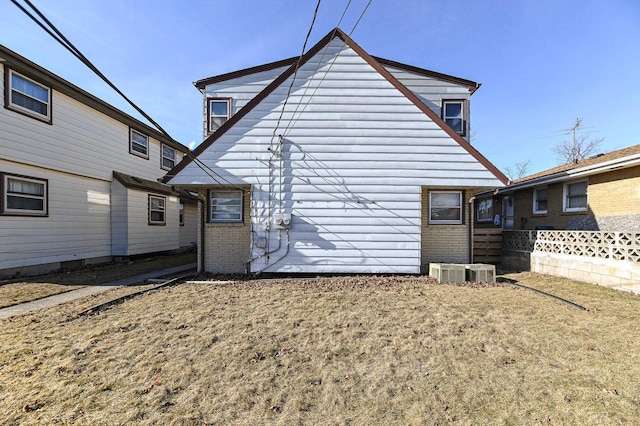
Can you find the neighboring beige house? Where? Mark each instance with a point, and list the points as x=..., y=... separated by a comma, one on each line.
x=601, y=193
x=60, y=206
x=340, y=162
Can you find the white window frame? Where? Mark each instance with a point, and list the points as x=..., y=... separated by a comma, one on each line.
x=161, y=208
x=133, y=142
x=489, y=210
x=163, y=157
x=462, y=117
x=20, y=108
x=565, y=197
x=458, y=221
x=535, y=201
x=210, y=124
x=44, y=197
x=215, y=194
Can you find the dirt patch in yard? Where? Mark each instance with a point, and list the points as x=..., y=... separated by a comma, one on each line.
x=16, y=291
x=331, y=350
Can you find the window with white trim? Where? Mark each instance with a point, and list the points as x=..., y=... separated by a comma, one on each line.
x=445, y=207
x=540, y=201
x=453, y=113
x=168, y=157
x=485, y=210
x=138, y=143
x=575, y=196
x=219, y=111
x=26, y=96
x=24, y=196
x=225, y=206
x=157, y=210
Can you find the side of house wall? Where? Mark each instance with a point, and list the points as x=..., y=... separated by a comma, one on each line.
x=77, y=227
x=188, y=231
x=119, y=220
x=228, y=245
x=146, y=238
x=614, y=199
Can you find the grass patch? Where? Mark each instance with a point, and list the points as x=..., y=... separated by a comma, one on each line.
x=342, y=350
x=13, y=292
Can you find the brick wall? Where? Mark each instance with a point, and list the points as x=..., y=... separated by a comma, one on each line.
x=444, y=243
x=615, y=193
x=228, y=245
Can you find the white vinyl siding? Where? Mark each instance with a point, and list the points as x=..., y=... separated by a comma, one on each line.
x=189, y=228
x=29, y=97
x=77, y=225
x=354, y=160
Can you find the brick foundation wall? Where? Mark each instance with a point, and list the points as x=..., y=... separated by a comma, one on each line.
x=444, y=243
x=227, y=246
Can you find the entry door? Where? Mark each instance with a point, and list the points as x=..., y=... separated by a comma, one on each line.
x=507, y=212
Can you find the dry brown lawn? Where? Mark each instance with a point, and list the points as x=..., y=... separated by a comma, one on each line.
x=339, y=351
x=16, y=291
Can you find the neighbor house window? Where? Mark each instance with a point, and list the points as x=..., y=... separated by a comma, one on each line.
x=157, y=210
x=453, y=112
x=540, y=201
x=181, y=214
x=219, y=111
x=485, y=210
x=24, y=196
x=225, y=206
x=138, y=143
x=575, y=196
x=27, y=96
x=168, y=157
x=445, y=207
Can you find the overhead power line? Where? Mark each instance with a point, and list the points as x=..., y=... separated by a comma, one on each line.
x=57, y=35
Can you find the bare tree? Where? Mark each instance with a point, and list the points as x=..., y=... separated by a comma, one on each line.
x=520, y=169
x=579, y=147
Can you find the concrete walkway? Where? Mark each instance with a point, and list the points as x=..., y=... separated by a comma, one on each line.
x=58, y=299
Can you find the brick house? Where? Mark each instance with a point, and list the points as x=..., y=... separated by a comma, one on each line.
x=601, y=193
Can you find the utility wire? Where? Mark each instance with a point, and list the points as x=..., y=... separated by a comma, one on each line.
x=308, y=101
x=60, y=38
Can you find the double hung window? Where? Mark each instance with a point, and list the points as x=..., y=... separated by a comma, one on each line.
x=453, y=113
x=219, y=111
x=138, y=143
x=575, y=196
x=24, y=196
x=27, y=96
x=157, y=210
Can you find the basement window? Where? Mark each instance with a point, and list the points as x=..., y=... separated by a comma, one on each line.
x=225, y=206
x=445, y=207
x=24, y=196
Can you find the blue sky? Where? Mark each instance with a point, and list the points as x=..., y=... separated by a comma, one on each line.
x=541, y=63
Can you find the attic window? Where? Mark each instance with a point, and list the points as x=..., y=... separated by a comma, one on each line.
x=28, y=97
x=453, y=113
x=218, y=112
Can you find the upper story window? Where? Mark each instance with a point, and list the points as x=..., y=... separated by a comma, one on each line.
x=28, y=97
x=138, y=143
x=225, y=206
x=24, y=196
x=540, y=201
x=218, y=112
x=445, y=207
x=485, y=210
x=168, y=157
x=453, y=113
x=157, y=207
x=575, y=196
